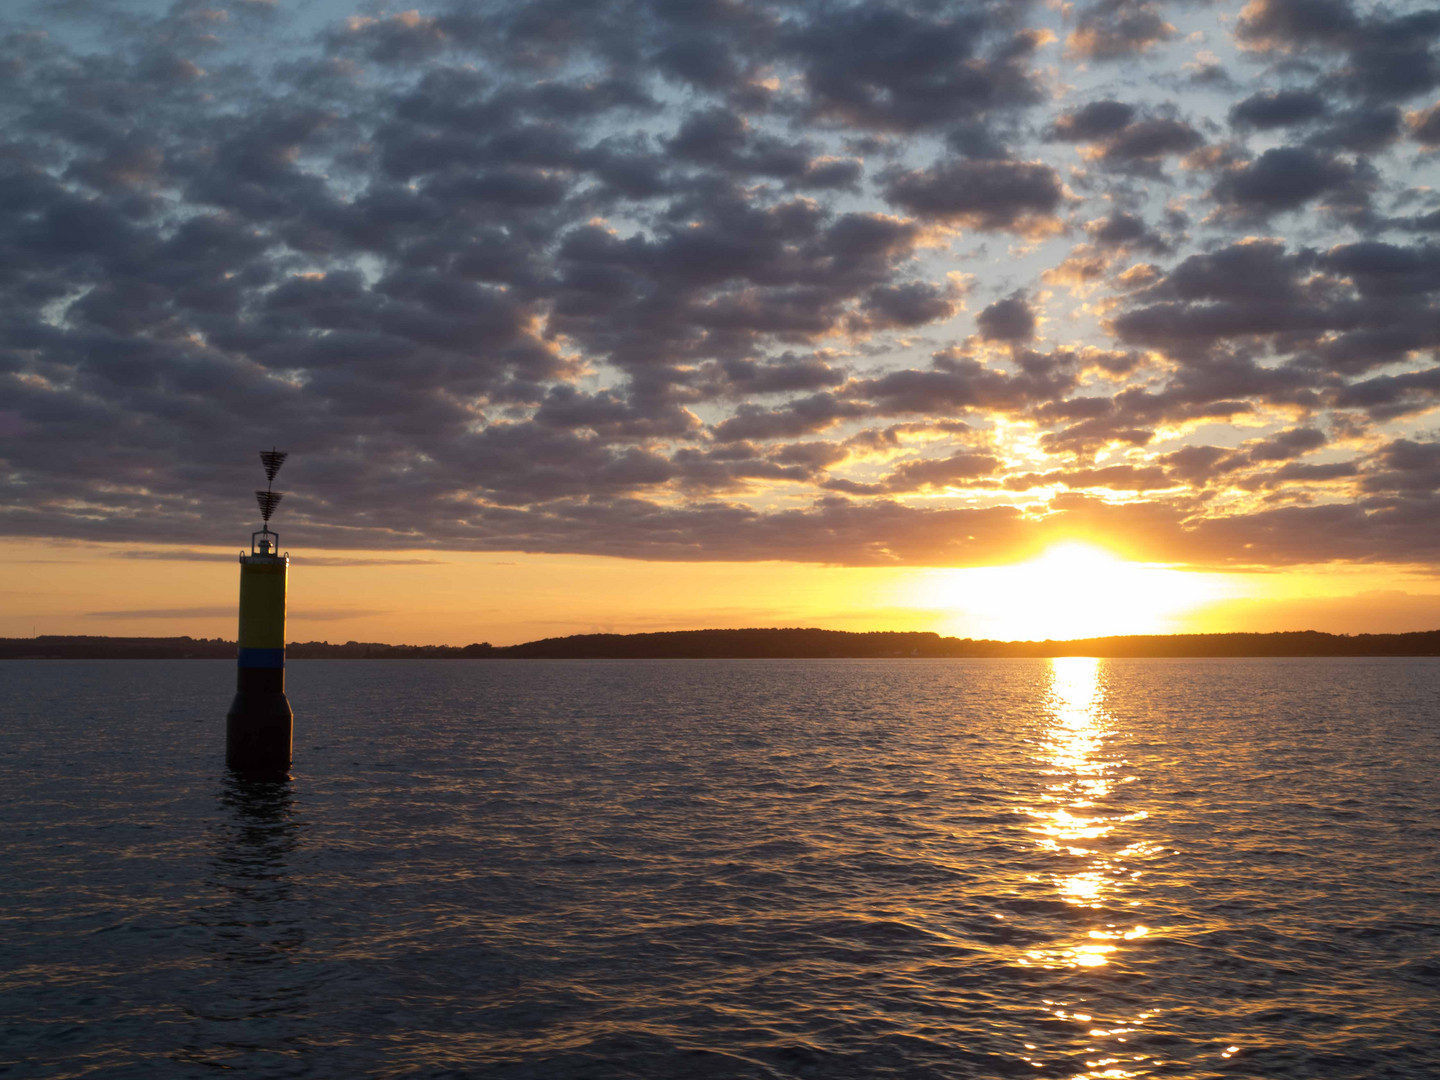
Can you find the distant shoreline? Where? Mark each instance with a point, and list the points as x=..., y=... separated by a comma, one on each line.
x=774, y=643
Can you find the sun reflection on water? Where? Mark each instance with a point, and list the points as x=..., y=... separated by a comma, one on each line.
x=1076, y=819
x=1071, y=818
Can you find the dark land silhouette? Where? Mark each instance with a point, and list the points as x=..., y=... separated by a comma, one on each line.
x=774, y=643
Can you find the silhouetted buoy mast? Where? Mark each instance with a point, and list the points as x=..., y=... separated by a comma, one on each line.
x=259, y=726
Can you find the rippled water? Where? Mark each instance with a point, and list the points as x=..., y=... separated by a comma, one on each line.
x=1074, y=868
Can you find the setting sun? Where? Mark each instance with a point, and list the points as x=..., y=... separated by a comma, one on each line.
x=1073, y=590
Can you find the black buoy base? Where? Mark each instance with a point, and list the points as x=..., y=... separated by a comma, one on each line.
x=260, y=725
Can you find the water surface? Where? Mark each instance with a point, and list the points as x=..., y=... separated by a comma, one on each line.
x=952, y=868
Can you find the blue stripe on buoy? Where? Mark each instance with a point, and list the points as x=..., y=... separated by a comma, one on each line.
x=262, y=658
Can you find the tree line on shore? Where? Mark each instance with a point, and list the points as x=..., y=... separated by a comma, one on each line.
x=772, y=643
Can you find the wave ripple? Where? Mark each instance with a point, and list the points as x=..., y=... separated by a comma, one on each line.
x=761, y=869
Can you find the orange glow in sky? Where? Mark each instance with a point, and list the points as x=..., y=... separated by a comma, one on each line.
x=430, y=597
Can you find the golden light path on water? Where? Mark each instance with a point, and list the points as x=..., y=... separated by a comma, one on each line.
x=1074, y=820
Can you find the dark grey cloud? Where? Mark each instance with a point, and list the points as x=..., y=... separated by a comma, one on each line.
x=1425, y=126
x=1338, y=310
x=1361, y=130
x=1149, y=140
x=1299, y=472
x=787, y=373
x=1406, y=466
x=1293, y=23
x=703, y=280
x=925, y=474
x=1334, y=315
x=1094, y=121
x=912, y=303
x=1385, y=56
x=905, y=68
x=1015, y=196
x=721, y=138
x=610, y=415
x=802, y=416
x=1279, y=108
x=1389, y=397
x=1010, y=319
x=1289, y=177
x=1118, y=29
x=1287, y=444
x=1126, y=231
x=1086, y=426
x=1386, y=270
x=1124, y=139
x=391, y=39
x=1201, y=464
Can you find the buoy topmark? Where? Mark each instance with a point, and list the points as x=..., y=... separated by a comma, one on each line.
x=259, y=728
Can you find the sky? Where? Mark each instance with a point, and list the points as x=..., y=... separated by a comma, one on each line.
x=673, y=313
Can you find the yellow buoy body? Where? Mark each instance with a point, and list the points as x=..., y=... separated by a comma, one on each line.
x=260, y=725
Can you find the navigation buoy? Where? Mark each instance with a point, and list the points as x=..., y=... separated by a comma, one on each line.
x=260, y=726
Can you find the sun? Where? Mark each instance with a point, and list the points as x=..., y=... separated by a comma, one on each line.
x=1073, y=590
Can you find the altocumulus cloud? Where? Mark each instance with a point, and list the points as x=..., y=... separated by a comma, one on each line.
x=857, y=283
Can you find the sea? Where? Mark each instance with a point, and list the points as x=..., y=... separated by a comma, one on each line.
x=728, y=868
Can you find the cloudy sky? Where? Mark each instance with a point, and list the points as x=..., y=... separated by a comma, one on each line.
x=794, y=291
